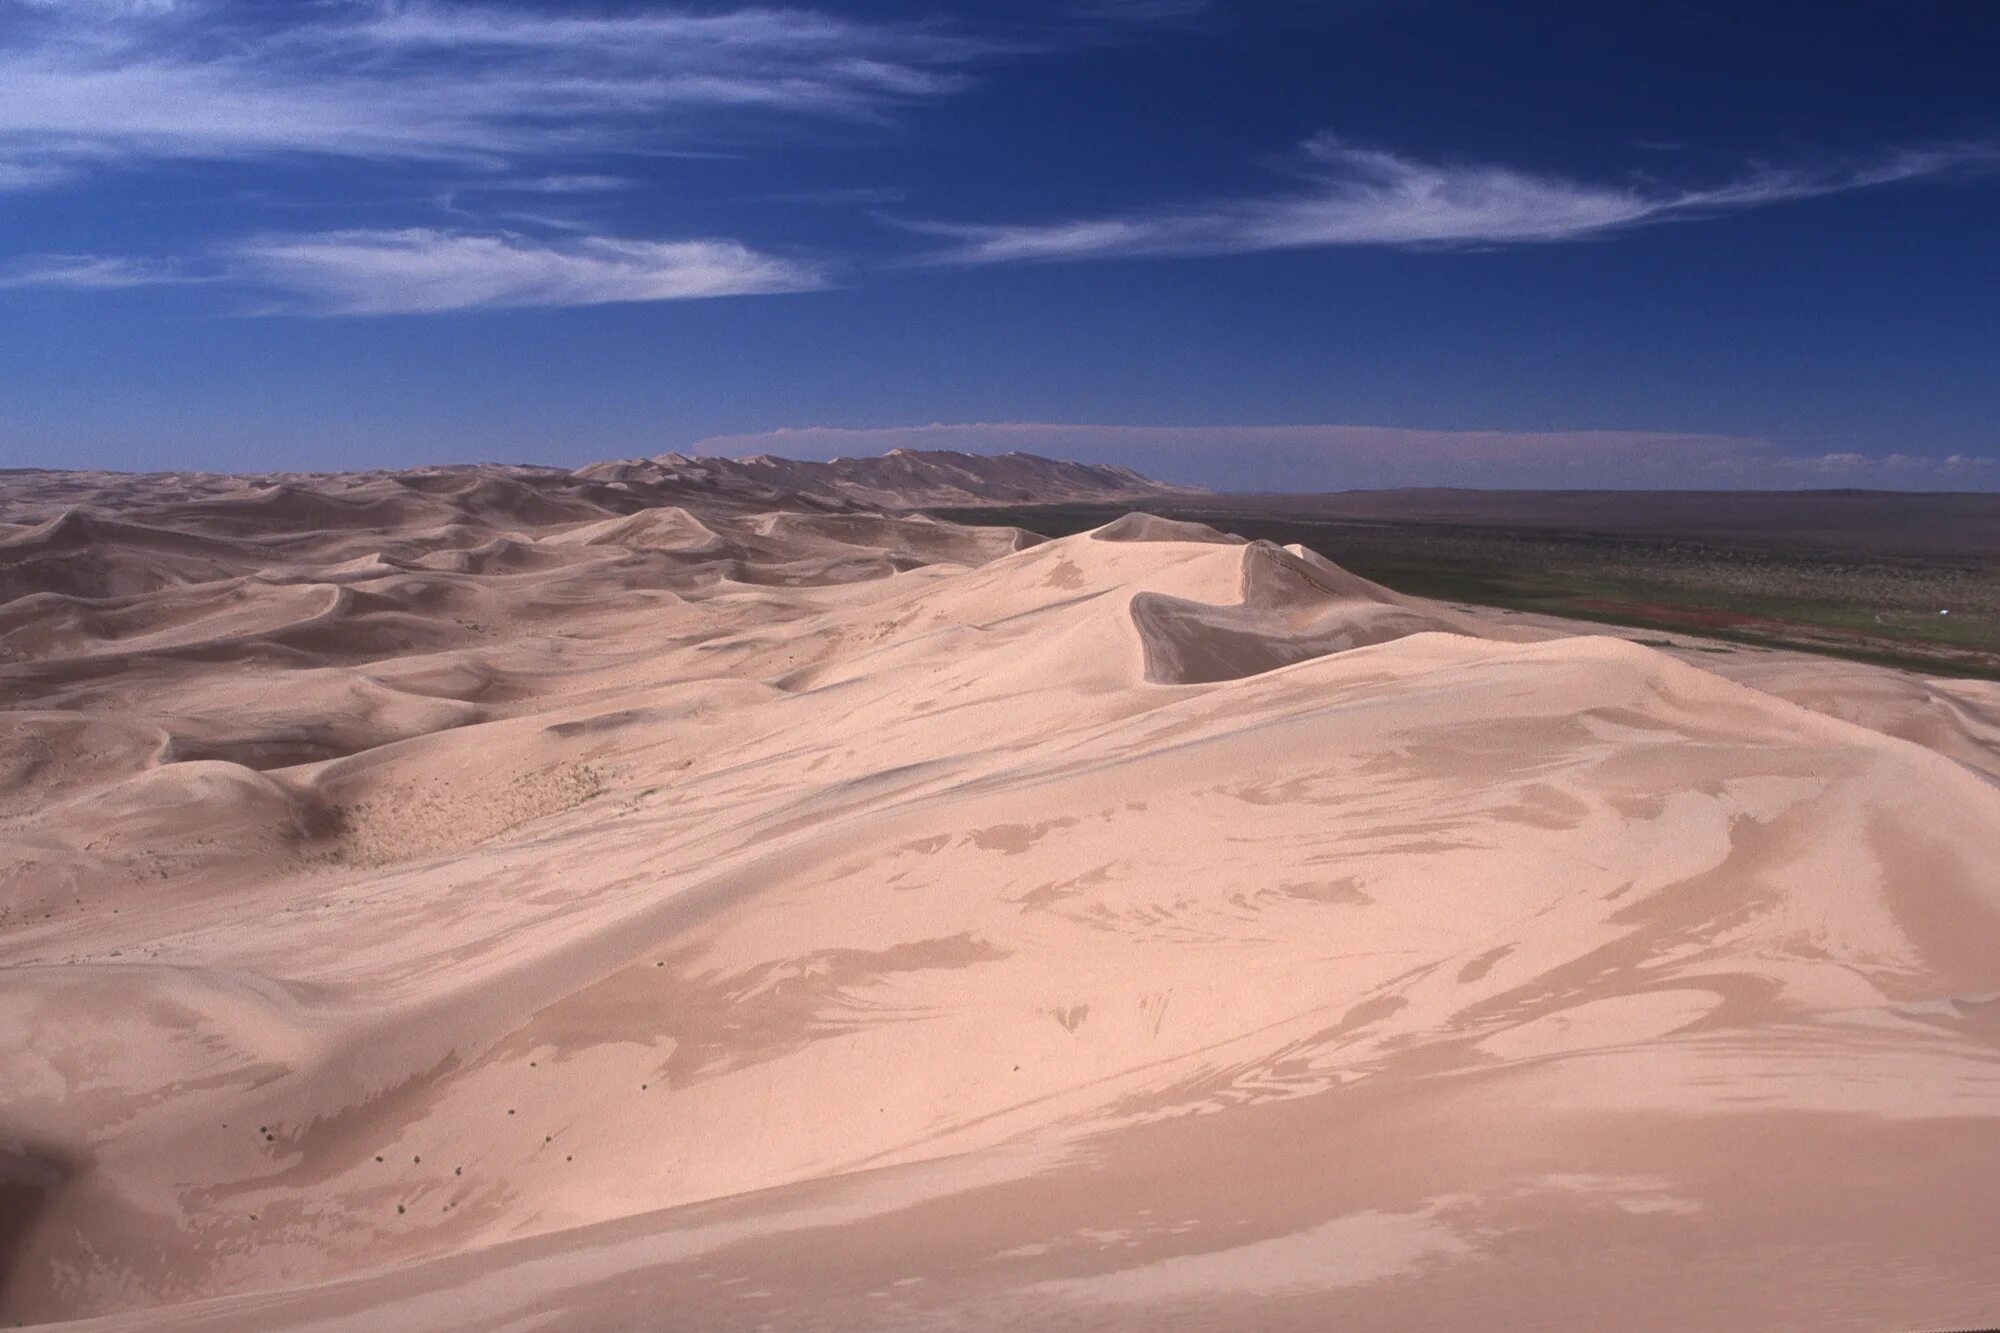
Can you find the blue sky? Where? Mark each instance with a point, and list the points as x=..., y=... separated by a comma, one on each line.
x=1308, y=245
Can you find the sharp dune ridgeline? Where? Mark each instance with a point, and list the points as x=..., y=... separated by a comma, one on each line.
x=698, y=894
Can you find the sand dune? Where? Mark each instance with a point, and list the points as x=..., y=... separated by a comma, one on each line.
x=506, y=898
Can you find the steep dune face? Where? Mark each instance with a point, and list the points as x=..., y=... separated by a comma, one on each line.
x=711, y=919
x=1295, y=606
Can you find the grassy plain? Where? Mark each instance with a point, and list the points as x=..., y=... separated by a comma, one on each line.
x=1901, y=580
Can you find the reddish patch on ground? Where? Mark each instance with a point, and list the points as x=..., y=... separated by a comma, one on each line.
x=1706, y=616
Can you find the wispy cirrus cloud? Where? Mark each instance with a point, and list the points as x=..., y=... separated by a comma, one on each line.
x=102, y=8
x=1352, y=196
x=123, y=80
x=422, y=270
x=87, y=273
x=578, y=183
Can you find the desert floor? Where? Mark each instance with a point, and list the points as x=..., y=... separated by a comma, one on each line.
x=492, y=899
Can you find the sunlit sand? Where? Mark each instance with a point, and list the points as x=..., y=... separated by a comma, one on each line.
x=499, y=898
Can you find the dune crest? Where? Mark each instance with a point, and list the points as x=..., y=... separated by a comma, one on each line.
x=485, y=897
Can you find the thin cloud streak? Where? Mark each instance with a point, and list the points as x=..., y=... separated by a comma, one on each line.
x=86, y=273
x=425, y=271
x=1367, y=197
x=81, y=87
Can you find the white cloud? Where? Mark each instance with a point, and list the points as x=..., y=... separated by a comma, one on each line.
x=85, y=273
x=583, y=183
x=102, y=8
x=85, y=83
x=31, y=175
x=417, y=270
x=1858, y=469
x=1355, y=196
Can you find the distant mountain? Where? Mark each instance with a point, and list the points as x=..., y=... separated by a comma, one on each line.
x=899, y=479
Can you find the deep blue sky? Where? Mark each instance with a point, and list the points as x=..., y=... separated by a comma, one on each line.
x=1359, y=242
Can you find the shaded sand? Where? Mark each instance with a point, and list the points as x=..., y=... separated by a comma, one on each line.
x=503, y=898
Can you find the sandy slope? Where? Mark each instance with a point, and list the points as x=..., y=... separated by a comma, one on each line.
x=467, y=902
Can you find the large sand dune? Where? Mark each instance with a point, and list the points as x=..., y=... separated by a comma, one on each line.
x=499, y=898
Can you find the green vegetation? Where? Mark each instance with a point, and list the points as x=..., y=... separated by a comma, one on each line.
x=1793, y=592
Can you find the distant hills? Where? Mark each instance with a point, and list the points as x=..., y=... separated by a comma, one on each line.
x=899, y=479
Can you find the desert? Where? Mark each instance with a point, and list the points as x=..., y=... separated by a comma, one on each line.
x=694, y=893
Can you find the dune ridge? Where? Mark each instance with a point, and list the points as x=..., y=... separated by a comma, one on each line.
x=458, y=900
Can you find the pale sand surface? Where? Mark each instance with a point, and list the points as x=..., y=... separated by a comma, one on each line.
x=499, y=899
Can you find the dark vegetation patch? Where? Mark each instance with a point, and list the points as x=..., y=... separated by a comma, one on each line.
x=1852, y=574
